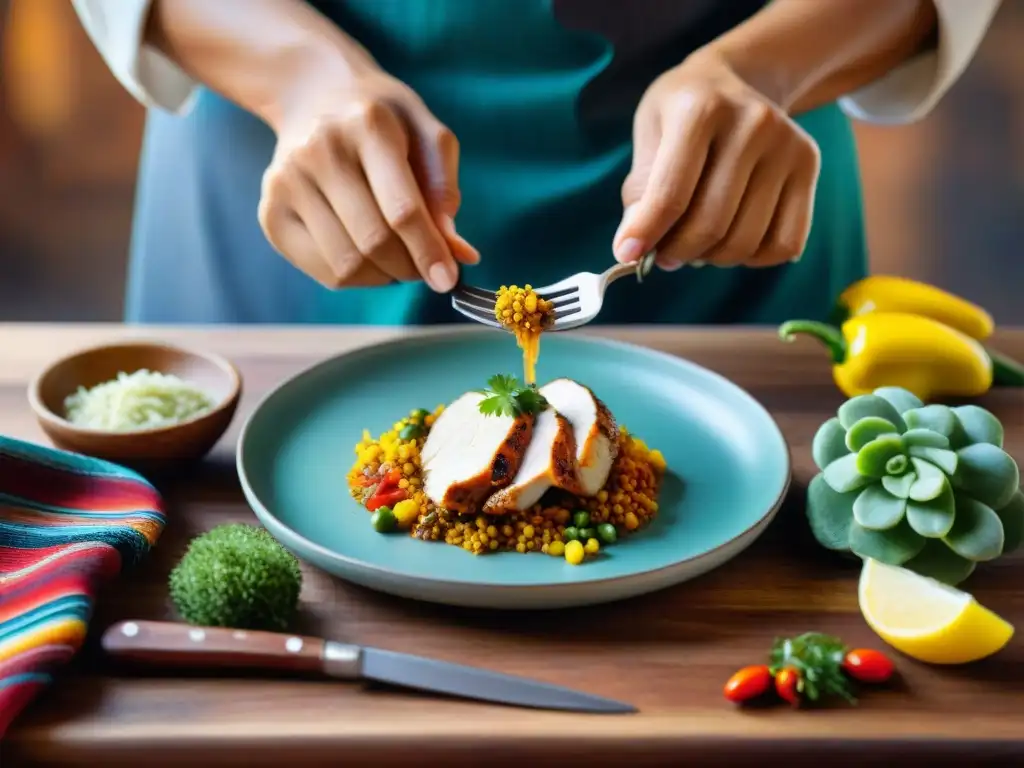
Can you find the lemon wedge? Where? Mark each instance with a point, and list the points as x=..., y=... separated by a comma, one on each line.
x=926, y=619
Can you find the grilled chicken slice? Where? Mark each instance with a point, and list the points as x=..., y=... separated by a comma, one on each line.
x=468, y=455
x=550, y=459
x=597, y=444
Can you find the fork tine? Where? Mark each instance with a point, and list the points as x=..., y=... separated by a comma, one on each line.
x=473, y=307
x=474, y=313
x=565, y=302
x=552, y=295
x=476, y=302
x=477, y=293
x=566, y=312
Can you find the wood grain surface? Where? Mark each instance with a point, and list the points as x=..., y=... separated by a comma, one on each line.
x=668, y=653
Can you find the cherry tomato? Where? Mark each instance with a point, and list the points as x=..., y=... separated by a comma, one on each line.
x=787, y=685
x=385, y=499
x=387, y=493
x=868, y=666
x=748, y=683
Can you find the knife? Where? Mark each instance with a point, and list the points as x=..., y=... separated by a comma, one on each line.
x=170, y=644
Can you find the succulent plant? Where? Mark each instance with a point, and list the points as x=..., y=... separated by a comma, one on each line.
x=926, y=487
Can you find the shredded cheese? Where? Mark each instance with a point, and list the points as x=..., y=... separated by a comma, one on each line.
x=134, y=401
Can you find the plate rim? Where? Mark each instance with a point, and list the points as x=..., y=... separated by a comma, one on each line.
x=285, y=531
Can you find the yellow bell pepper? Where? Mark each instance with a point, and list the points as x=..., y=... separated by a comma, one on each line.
x=888, y=293
x=898, y=349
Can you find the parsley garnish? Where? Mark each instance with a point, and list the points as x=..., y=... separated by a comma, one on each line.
x=818, y=658
x=506, y=396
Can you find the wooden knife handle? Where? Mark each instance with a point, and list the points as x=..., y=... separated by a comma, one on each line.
x=173, y=645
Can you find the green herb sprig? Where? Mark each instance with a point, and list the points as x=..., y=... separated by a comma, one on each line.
x=506, y=396
x=818, y=659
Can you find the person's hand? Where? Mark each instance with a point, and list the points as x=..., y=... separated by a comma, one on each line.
x=720, y=175
x=363, y=187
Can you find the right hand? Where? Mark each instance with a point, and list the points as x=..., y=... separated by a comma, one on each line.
x=363, y=187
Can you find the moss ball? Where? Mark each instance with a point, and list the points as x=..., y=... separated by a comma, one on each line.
x=237, y=576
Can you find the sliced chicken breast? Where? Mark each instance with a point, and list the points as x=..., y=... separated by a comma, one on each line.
x=468, y=455
x=596, y=433
x=550, y=459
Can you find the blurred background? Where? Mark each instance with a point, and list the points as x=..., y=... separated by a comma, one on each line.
x=944, y=197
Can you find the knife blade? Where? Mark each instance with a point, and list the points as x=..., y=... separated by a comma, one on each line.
x=175, y=645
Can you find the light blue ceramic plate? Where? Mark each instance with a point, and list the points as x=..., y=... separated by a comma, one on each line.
x=728, y=468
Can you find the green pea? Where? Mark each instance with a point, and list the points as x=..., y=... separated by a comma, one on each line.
x=581, y=518
x=586, y=534
x=570, y=534
x=607, y=533
x=410, y=432
x=383, y=520
x=419, y=415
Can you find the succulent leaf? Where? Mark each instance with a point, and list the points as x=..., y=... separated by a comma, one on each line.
x=842, y=474
x=941, y=563
x=977, y=532
x=829, y=443
x=863, y=406
x=829, y=514
x=873, y=457
x=939, y=457
x=899, y=486
x=928, y=487
x=933, y=519
x=894, y=546
x=930, y=481
x=937, y=418
x=901, y=399
x=867, y=429
x=924, y=438
x=877, y=509
x=987, y=473
x=1012, y=517
x=979, y=425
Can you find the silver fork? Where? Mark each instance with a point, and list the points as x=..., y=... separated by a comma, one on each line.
x=577, y=299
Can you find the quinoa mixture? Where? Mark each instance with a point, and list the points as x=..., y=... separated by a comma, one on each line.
x=387, y=476
x=527, y=315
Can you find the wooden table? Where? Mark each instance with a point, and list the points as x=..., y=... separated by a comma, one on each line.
x=668, y=653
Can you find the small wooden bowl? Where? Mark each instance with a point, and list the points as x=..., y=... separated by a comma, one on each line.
x=154, y=449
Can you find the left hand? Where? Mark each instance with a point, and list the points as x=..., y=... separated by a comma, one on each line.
x=720, y=174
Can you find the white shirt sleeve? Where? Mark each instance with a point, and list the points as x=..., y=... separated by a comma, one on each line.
x=116, y=28
x=912, y=90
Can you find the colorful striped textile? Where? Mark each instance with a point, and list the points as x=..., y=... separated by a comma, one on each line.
x=67, y=523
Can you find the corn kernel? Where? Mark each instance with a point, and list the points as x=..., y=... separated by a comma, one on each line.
x=556, y=548
x=574, y=553
x=657, y=460
x=406, y=512
x=592, y=546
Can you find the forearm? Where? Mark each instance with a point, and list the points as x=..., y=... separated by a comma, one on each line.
x=805, y=53
x=253, y=51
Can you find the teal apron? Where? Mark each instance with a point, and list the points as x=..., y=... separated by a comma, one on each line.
x=541, y=95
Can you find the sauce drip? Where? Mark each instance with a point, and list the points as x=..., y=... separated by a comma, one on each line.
x=523, y=312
